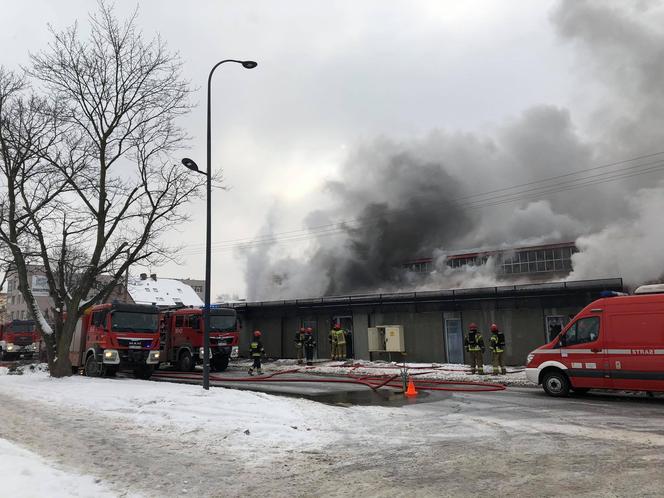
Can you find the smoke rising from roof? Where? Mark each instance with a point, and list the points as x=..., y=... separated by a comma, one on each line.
x=416, y=198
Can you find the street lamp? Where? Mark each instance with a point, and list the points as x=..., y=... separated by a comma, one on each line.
x=190, y=164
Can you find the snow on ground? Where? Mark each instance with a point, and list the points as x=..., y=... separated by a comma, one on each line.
x=242, y=419
x=516, y=376
x=24, y=474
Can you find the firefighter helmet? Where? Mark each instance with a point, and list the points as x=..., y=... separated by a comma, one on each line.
x=302, y=329
x=257, y=333
x=494, y=327
x=308, y=330
x=472, y=326
x=337, y=326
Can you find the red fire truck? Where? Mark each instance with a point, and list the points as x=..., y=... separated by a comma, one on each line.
x=182, y=337
x=18, y=339
x=613, y=343
x=113, y=337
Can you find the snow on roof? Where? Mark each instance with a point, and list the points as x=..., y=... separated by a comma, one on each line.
x=163, y=292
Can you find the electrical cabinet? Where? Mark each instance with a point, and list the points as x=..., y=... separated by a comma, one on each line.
x=388, y=338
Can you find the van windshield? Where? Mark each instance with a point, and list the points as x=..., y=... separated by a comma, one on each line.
x=134, y=322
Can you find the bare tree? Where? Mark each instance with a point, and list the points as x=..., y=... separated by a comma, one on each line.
x=96, y=154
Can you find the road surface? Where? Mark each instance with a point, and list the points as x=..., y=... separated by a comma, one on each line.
x=518, y=442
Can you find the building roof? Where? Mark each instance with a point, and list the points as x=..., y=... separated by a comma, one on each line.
x=162, y=292
x=448, y=295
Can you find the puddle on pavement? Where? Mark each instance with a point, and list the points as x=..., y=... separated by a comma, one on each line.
x=381, y=397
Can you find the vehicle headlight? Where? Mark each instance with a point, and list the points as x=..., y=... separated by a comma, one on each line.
x=530, y=357
x=111, y=356
x=153, y=357
x=10, y=347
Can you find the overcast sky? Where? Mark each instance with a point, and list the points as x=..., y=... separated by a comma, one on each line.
x=331, y=75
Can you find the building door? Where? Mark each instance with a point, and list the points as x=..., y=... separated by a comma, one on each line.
x=454, y=340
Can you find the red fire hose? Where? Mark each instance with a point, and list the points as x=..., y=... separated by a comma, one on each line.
x=373, y=382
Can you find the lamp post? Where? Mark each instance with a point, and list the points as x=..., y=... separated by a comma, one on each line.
x=188, y=163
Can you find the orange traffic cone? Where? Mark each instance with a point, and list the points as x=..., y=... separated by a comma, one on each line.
x=411, y=391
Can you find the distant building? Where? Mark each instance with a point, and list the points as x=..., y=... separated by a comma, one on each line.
x=169, y=292
x=197, y=285
x=540, y=262
x=162, y=291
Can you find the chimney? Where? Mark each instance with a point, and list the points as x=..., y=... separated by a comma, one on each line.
x=144, y=276
x=153, y=276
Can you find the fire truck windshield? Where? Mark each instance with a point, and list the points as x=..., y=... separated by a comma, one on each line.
x=222, y=323
x=21, y=327
x=134, y=322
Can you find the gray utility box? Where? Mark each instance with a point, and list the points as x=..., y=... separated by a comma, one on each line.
x=387, y=338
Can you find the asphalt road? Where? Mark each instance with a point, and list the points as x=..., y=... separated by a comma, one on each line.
x=518, y=442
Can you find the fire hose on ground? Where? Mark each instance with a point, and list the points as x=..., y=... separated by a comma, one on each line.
x=373, y=382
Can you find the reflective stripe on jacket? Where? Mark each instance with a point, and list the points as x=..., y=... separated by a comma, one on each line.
x=498, y=342
x=474, y=341
x=256, y=349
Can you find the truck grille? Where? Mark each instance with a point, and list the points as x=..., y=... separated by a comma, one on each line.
x=23, y=340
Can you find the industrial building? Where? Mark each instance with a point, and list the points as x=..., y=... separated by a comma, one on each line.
x=433, y=321
x=541, y=262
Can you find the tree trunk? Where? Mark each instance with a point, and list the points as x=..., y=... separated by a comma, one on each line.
x=60, y=365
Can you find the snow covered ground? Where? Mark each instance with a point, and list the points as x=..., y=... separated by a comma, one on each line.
x=439, y=371
x=24, y=474
x=159, y=439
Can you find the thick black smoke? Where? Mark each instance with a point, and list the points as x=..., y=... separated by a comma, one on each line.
x=415, y=198
x=406, y=210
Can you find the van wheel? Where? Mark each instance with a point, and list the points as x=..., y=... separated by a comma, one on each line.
x=92, y=367
x=555, y=383
x=185, y=361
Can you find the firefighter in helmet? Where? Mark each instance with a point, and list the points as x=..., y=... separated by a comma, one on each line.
x=309, y=345
x=474, y=343
x=334, y=351
x=256, y=351
x=497, y=345
x=299, y=345
x=341, y=341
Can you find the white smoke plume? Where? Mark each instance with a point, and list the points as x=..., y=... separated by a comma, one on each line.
x=415, y=199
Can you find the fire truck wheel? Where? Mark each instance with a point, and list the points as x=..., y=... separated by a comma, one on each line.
x=143, y=372
x=555, y=383
x=92, y=367
x=185, y=361
x=220, y=364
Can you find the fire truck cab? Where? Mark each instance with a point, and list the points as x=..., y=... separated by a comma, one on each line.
x=613, y=343
x=182, y=337
x=18, y=339
x=113, y=337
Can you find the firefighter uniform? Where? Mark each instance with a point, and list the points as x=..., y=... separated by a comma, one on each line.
x=341, y=343
x=256, y=351
x=335, y=351
x=333, y=343
x=309, y=346
x=299, y=345
x=497, y=350
x=474, y=343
